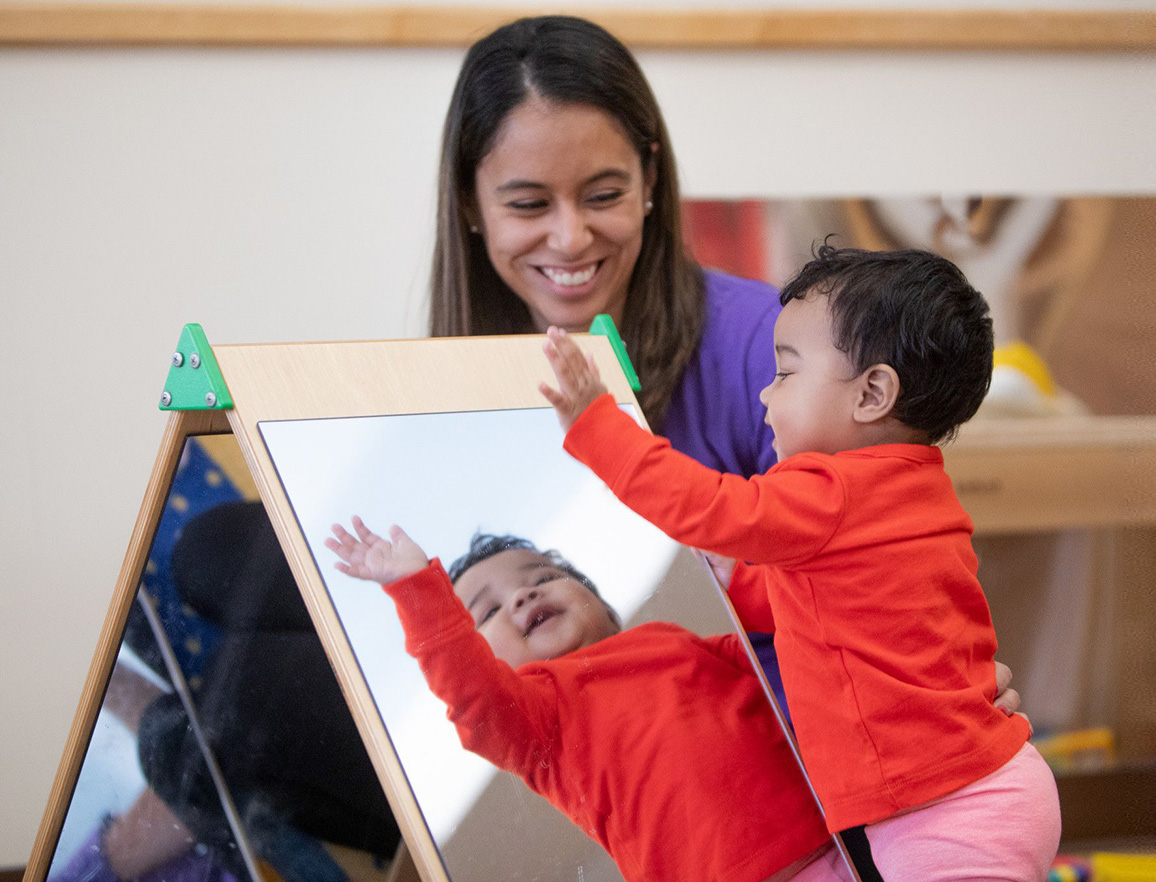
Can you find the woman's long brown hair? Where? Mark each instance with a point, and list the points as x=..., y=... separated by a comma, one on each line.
x=565, y=60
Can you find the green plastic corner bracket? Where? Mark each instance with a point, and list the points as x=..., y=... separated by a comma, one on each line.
x=195, y=381
x=604, y=326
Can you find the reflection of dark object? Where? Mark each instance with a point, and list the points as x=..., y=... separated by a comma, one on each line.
x=270, y=706
x=229, y=567
x=199, y=485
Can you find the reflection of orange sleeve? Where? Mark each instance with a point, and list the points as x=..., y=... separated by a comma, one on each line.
x=508, y=718
x=748, y=593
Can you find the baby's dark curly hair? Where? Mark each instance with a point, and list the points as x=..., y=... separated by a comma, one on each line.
x=912, y=310
x=486, y=545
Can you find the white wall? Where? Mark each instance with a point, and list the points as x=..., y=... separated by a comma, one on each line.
x=279, y=195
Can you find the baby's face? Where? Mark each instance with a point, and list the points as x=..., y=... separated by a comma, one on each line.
x=811, y=402
x=529, y=610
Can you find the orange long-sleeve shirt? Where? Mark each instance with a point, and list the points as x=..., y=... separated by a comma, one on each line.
x=657, y=743
x=884, y=637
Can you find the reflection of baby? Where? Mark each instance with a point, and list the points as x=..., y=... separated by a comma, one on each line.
x=657, y=743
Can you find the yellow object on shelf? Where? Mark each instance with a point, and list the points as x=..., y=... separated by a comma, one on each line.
x=1123, y=867
x=1079, y=751
x=1021, y=357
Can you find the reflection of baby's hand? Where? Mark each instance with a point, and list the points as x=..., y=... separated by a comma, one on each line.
x=370, y=557
x=578, y=380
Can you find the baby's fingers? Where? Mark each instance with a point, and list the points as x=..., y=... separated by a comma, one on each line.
x=341, y=544
x=552, y=395
x=592, y=368
x=566, y=358
x=365, y=534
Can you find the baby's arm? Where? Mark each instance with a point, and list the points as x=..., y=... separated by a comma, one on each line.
x=499, y=714
x=370, y=557
x=578, y=380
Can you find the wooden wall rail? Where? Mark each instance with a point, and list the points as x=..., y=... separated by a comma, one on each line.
x=218, y=24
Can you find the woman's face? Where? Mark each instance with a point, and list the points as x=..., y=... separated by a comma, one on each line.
x=561, y=199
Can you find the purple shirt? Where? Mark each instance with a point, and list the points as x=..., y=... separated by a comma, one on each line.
x=715, y=415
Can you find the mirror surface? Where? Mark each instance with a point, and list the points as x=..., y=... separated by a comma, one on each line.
x=203, y=764
x=443, y=478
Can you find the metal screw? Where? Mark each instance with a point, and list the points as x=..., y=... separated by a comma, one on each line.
x=166, y=398
x=194, y=361
x=178, y=359
x=210, y=399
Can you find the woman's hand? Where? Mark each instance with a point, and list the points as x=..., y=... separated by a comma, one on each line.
x=1006, y=698
x=722, y=567
x=578, y=380
x=373, y=558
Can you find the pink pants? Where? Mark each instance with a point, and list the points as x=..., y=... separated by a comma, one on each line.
x=827, y=867
x=1003, y=827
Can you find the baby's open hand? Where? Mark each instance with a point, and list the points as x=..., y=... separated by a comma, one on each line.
x=578, y=380
x=370, y=557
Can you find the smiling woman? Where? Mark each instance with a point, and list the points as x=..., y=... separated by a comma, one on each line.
x=558, y=199
x=561, y=199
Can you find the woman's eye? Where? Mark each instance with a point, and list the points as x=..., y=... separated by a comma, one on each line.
x=606, y=197
x=781, y=375
x=527, y=205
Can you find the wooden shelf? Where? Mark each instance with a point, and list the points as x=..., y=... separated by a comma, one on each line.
x=1033, y=474
x=311, y=25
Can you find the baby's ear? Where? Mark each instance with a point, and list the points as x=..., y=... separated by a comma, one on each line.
x=877, y=393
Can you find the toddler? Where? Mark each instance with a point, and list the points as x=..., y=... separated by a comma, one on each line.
x=858, y=554
x=656, y=742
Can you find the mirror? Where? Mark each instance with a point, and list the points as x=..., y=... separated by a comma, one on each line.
x=444, y=477
x=193, y=770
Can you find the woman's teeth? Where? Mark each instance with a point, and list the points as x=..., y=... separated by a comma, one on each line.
x=561, y=277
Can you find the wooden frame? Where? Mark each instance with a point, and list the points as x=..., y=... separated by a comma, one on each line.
x=278, y=389
x=221, y=25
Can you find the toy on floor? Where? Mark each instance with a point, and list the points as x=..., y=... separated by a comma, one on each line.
x=1068, y=868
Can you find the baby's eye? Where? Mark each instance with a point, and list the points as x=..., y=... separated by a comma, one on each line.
x=487, y=614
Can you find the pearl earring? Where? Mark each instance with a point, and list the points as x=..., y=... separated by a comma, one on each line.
x=649, y=206
x=473, y=228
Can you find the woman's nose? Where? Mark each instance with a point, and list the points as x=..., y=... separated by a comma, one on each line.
x=570, y=234
x=765, y=395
